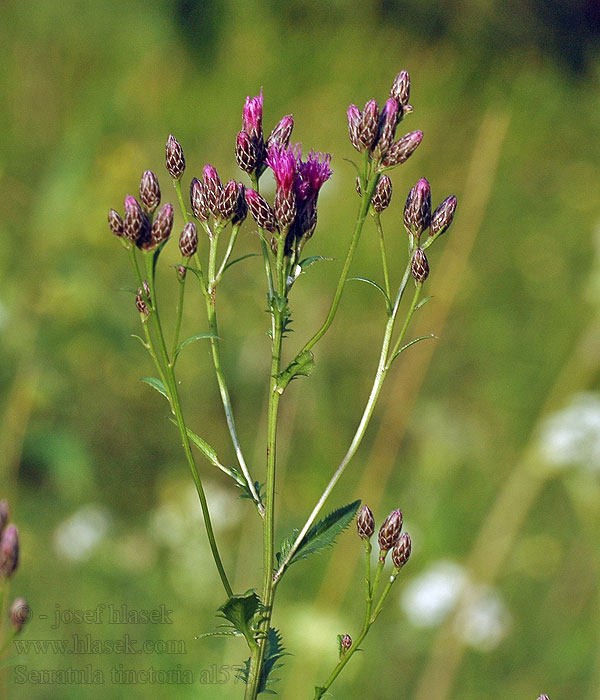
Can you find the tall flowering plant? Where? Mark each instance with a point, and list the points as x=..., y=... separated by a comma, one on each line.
x=284, y=228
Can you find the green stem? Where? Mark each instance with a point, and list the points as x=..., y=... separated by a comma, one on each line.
x=179, y=312
x=386, y=275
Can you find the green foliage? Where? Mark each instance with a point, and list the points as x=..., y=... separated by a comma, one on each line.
x=378, y=287
x=273, y=653
x=156, y=384
x=191, y=339
x=240, y=611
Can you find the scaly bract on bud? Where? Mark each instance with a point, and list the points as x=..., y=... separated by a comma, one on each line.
x=365, y=523
x=280, y=136
x=369, y=125
x=198, y=200
x=401, y=550
x=383, y=194
x=174, y=158
x=149, y=191
x=212, y=188
x=389, y=532
x=261, y=211
x=162, y=226
x=188, y=241
x=401, y=88
x=403, y=149
x=442, y=217
x=417, y=210
x=115, y=222
x=419, y=266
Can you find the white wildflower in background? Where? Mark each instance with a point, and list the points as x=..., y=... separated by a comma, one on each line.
x=77, y=536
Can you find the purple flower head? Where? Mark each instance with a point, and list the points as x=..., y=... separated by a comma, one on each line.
x=252, y=116
x=283, y=163
x=312, y=173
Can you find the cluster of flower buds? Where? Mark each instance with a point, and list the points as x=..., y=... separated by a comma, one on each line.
x=298, y=183
x=389, y=536
x=209, y=197
x=418, y=218
x=374, y=131
x=250, y=148
x=9, y=561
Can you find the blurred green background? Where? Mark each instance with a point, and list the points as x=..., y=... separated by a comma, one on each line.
x=488, y=437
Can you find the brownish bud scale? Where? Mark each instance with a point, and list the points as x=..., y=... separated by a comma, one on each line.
x=149, y=191
x=212, y=188
x=146, y=288
x=4, y=515
x=9, y=551
x=115, y=222
x=369, y=125
x=419, y=266
x=188, y=241
x=198, y=200
x=417, y=210
x=175, y=160
x=261, y=211
x=241, y=208
x=442, y=217
x=382, y=195
x=358, y=186
x=134, y=219
x=245, y=152
x=227, y=200
x=401, y=550
x=401, y=88
x=20, y=614
x=345, y=642
x=389, y=532
x=142, y=307
x=281, y=133
x=354, y=119
x=390, y=115
x=181, y=270
x=285, y=207
x=403, y=149
x=365, y=523
x=162, y=226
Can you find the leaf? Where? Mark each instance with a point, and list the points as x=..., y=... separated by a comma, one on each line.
x=237, y=260
x=142, y=341
x=323, y=533
x=192, y=338
x=301, y=366
x=246, y=490
x=286, y=545
x=358, y=171
x=211, y=454
x=377, y=286
x=423, y=301
x=310, y=261
x=156, y=384
x=240, y=611
x=222, y=633
x=274, y=651
x=412, y=342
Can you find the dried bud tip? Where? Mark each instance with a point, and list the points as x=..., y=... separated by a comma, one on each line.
x=383, y=194
x=365, y=523
x=20, y=614
x=188, y=241
x=174, y=160
x=390, y=531
x=419, y=266
x=115, y=222
x=442, y=217
x=401, y=550
x=9, y=551
x=149, y=191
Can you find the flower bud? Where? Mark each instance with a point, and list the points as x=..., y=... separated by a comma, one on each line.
x=365, y=523
x=285, y=207
x=142, y=307
x=358, y=186
x=369, y=125
x=175, y=160
x=4, y=515
x=401, y=88
x=245, y=152
x=345, y=643
x=188, y=241
x=198, y=200
x=241, y=208
x=181, y=270
x=401, y=550
x=417, y=210
x=390, y=115
x=252, y=117
x=280, y=136
x=134, y=219
x=212, y=188
x=146, y=288
x=389, y=532
x=162, y=226
x=403, y=149
x=227, y=200
x=149, y=191
x=9, y=551
x=442, y=217
x=354, y=118
x=419, y=266
x=261, y=211
x=383, y=194
x=20, y=614
x=115, y=222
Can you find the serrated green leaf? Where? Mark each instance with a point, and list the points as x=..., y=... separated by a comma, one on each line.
x=323, y=533
x=192, y=338
x=240, y=611
x=237, y=260
x=156, y=384
x=258, y=487
x=412, y=342
x=377, y=286
x=286, y=545
x=301, y=366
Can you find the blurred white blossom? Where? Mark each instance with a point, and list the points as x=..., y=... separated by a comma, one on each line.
x=77, y=536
